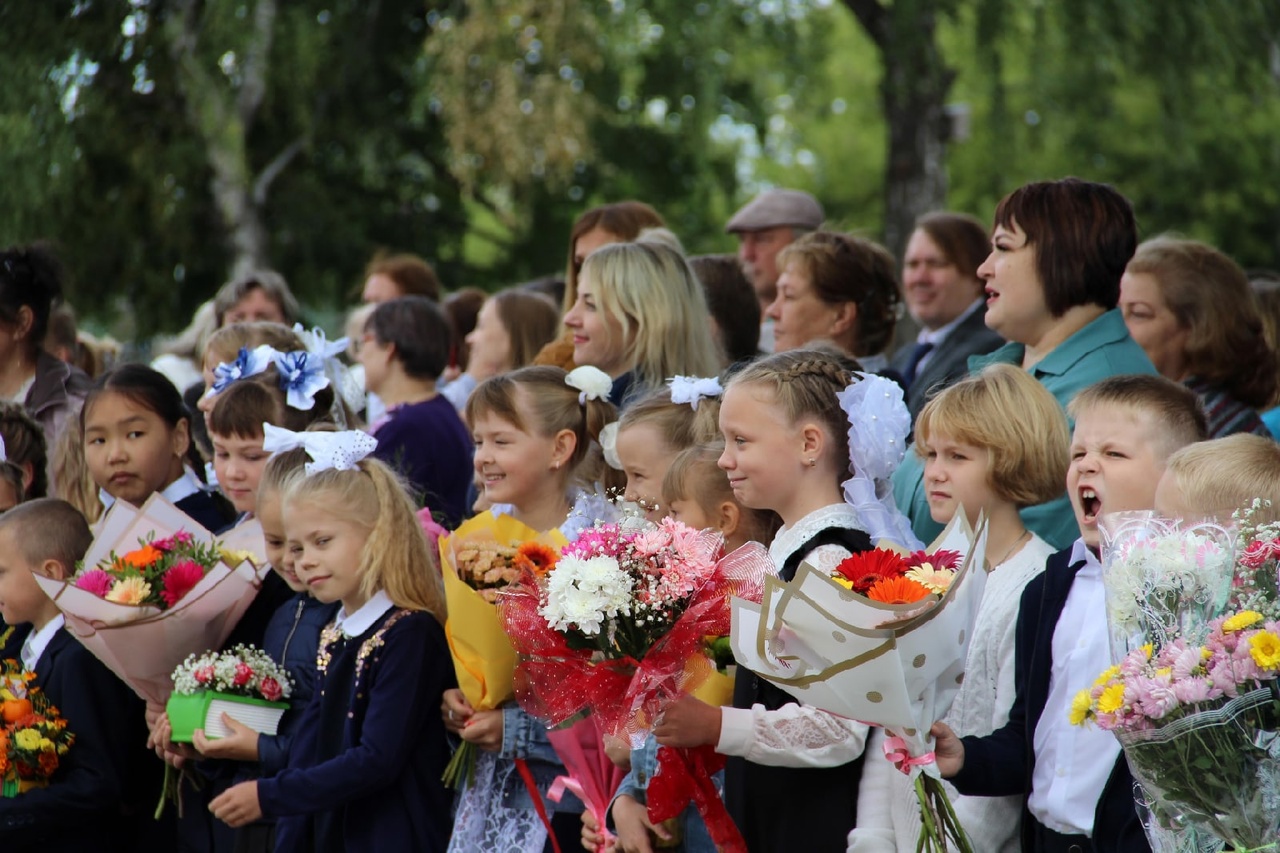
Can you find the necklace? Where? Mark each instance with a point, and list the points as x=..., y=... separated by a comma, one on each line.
x=1026, y=534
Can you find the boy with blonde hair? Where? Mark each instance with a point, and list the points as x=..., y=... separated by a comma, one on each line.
x=1078, y=788
x=1216, y=478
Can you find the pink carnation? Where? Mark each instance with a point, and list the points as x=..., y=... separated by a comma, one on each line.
x=203, y=675
x=96, y=582
x=179, y=581
x=271, y=690
x=182, y=537
x=243, y=675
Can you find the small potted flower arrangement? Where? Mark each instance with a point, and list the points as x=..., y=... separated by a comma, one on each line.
x=245, y=683
x=34, y=736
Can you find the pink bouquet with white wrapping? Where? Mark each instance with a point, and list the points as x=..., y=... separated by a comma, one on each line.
x=154, y=588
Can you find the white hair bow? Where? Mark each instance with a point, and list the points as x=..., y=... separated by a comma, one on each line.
x=609, y=445
x=878, y=427
x=691, y=389
x=593, y=382
x=328, y=450
x=4, y=454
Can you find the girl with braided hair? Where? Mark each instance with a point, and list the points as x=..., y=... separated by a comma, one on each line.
x=792, y=780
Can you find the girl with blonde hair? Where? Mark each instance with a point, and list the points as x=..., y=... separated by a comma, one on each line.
x=364, y=774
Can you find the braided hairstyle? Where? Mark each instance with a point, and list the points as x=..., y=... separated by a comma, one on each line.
x=804, y=383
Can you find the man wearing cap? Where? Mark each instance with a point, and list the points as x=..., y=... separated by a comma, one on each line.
x=764, y=226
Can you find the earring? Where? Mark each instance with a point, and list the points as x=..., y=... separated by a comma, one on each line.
x=812, y=462
x=556, y=465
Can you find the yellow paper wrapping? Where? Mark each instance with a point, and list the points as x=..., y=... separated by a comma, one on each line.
x=483, y=657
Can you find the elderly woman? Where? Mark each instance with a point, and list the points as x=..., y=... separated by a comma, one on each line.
x=1190, y=307
x=839, y=288
x=1058, y=251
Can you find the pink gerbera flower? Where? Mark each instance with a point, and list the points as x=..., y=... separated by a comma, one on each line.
x=95, y=581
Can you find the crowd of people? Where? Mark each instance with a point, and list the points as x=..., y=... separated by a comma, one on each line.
x=1061, y=370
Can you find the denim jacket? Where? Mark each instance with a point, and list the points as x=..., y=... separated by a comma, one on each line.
x=525, y=737
x=644, y=763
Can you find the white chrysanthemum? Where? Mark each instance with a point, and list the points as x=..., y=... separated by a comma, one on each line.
x=583, y=592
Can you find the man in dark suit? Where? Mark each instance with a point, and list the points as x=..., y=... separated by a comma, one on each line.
x=945, y=297
x=92, y=801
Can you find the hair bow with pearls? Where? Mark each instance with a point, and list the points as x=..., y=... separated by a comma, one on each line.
x=692, y=389
x=593, y=382
x=301, y=377
x=339, y=451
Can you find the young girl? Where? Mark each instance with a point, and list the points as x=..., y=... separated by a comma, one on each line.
x=640, y=316
x=993, y=443
x=364, y=771
x=655, y=428
x=291, y=637
x=136, y=438
x=404, y=350
x=533, y=442
x=786, y=451
x=25, y=448
x=695, y=492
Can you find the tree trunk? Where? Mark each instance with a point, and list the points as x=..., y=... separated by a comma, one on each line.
x=222, y=117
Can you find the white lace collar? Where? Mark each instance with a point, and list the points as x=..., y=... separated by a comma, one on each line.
x=362, y=620
x=789, y=539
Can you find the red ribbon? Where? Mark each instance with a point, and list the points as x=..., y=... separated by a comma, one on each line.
x=895, y=749
x=684, y=776
x=539, y=806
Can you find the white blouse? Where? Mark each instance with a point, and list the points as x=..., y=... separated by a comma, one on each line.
x=888, y=813
x=797, y=735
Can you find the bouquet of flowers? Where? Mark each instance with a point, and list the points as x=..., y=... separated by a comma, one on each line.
x=1194, y=699
x=244, y=682
x=479, y=560
x=34, y=737
x=155, y=588
x=618, y=629
x=883, y=638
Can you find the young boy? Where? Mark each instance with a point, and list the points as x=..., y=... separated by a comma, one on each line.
x=84, y=806
x=1216, y=478
x=1078, y=789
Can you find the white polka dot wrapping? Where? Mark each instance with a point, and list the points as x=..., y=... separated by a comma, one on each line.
x=340, y=451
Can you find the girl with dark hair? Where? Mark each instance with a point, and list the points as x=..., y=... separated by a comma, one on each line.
x=51, y=390
x=137, y=434
x=404, y=350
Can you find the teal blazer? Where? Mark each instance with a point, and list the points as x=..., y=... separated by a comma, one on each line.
x=1099, y=350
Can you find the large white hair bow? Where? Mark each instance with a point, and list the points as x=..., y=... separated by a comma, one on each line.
x=878, y=426
x=691, y=389
x=328, y=450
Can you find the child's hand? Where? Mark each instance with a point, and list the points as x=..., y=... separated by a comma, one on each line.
x=688, y=723
x=947, y=749
x=238, y=805
x=484, y=729
x=592, y=838
x=161, y=740
x=632, y=821
x=456, y=710
x=240, y=745
x=618, y=750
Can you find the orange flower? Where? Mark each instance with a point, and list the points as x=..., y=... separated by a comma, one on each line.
x=898, y=591
x=142, y=558
x=16, y=709
x=535, y=557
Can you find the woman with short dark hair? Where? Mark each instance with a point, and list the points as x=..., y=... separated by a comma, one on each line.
x=1058, y=250
x=404, y=350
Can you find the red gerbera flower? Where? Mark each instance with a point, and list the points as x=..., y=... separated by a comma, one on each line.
x=179, y=580
x=864, y=569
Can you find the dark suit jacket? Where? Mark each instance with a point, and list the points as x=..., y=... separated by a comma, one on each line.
x=92, y=800
x=1001, y=763
x=950, y=361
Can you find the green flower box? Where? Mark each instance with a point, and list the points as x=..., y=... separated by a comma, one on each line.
x=204, y=709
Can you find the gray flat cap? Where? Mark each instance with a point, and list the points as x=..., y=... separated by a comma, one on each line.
x=775, y=208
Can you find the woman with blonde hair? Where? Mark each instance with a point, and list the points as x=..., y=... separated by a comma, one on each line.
x=640, y=316
x=1191, y=309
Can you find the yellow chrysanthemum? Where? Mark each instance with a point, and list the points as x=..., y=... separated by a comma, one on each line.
x=1243, y=619
x=133, y=590
x=1080, y=707
x=843, y=581
x=1264, y=647
x=27, y=739
x=1148, y=650
x=1112, y=699
x=1165, y=670
x=1107, y=675
x=46, y=745
x=1205, y=654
